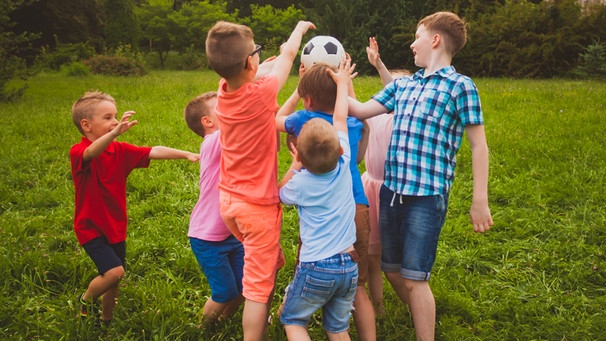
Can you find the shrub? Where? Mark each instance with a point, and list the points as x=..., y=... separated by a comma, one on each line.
x=65, y=54
x=75, y=69
x=592, y=62
x=115, y=66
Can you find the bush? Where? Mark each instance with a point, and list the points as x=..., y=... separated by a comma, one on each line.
x=592, y=62
x=115, y=66
x=65, y=54
x=75, y=69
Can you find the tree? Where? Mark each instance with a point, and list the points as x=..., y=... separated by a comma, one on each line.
x=121, y=25
x=61, y=22
x=11, y=46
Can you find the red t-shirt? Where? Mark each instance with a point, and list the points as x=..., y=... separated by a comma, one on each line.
x=100, y=208
x=249, y=164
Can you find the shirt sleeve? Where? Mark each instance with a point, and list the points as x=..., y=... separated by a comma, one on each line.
x=288, y=192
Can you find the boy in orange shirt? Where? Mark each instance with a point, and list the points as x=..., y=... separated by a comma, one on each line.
x=250, y=205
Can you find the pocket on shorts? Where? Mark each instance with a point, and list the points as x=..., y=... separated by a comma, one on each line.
x=317, y=290
x=353, y=286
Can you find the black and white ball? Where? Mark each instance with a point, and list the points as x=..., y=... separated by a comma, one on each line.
x=324, y=49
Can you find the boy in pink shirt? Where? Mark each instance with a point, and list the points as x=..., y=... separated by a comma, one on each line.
x=250, y=204
x=219, y=254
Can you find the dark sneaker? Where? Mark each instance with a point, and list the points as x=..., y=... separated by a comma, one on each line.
x=86, y=308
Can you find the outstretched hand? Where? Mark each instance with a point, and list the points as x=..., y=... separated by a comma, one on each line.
x=344, y=73
x=372, y=51
x=125, y=123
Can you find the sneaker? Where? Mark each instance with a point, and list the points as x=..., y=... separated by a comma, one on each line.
x=86, y=308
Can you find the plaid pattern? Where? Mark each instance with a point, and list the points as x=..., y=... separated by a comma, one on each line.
x=429, y=118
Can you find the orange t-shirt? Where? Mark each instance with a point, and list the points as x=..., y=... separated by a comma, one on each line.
x=249, y=161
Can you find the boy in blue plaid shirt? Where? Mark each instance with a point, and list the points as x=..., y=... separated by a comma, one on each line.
x=432, y=109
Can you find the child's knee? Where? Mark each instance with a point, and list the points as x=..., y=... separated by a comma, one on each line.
x=114, y=274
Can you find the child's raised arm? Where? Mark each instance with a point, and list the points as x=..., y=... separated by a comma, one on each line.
x=342, y=78
x=99, y=145
x=372, y=52
x=289, y=51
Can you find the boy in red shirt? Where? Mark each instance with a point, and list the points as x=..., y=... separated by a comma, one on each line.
x=100, y=167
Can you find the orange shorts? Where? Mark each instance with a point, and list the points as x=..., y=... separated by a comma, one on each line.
x=258, y=228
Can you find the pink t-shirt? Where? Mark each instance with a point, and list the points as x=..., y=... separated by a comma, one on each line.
x=205, y=222
x=378, y=141
x=249, y=163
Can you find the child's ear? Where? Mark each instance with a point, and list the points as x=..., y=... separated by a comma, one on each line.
x=207, y=122
x=85, y=125
x=341, y=150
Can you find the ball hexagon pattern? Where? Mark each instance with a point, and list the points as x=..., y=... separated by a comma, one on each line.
x=325, y=49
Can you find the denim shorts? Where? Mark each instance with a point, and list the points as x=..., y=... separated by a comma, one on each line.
x=410, y=227
x=329, y=284
x=106, y=256
x=222, y=263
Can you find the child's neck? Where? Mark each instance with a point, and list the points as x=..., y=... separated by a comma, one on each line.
x=235, y=83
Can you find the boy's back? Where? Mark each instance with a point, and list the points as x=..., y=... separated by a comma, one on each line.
x=249, y=160
x=326, y=208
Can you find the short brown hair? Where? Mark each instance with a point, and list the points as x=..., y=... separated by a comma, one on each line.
x=318, y=146
x=448, y=25
x=227, y=47
x=318, y=85
x=84, y=107
x=196, y=109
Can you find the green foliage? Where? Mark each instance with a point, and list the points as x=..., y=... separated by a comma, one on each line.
x=64, y=54
x=593, y=62
x=519, y=281
x=165, y=29
x=121, y=25
x=271, y=26
x=75, y=69
x=114, y=66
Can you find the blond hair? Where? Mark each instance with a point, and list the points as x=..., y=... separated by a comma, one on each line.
x=84, y=107
x=317, y=84
x=450, y=26
x=196, y=109
x=318, y=146
x=227, y=47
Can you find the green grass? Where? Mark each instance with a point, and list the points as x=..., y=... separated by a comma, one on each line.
x=539, y=274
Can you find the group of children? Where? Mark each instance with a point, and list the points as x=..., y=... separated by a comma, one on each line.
x=235, y=226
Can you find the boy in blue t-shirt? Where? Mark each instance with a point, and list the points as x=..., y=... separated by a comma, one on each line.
x=319, y=182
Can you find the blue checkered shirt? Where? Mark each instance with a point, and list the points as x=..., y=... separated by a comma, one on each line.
x=430, y=114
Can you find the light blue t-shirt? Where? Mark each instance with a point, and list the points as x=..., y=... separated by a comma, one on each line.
x=326, y=208
x=295, y=121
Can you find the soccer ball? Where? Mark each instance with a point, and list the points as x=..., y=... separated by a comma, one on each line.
x=324, y=49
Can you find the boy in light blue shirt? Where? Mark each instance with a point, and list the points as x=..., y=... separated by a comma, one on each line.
x=319, y=182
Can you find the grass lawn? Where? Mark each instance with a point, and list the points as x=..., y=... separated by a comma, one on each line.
x=538, y=274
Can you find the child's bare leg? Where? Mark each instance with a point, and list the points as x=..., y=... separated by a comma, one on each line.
x=297, y=333
x=214, y=311
x=102, y=283
x=108, y=303
x=364, y=315
x=342, y=336
x=232, y=307
x=375, y=283
x=254, y=320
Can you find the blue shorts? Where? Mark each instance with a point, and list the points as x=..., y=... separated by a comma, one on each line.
x=222, y=263
x=329, y=284
x=410, y=227
x=106, y=256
